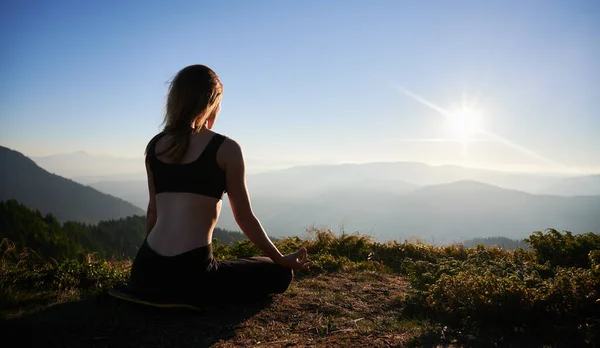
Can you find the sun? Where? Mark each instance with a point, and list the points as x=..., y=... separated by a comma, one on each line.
x=465, y=123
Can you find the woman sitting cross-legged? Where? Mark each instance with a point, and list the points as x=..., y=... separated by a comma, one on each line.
x=189, y=169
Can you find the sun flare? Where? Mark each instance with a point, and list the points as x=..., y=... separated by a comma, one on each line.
x=465, y=123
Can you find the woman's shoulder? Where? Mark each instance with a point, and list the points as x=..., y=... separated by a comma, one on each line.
x=152, y=143
x=224, y=139
x=229, y=148
x=157, y=137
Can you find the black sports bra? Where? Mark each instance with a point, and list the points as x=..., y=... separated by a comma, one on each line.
x=202, y=176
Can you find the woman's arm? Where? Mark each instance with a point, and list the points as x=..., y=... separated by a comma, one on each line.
x=232, y=160
x=151, y=213
x=235, y=169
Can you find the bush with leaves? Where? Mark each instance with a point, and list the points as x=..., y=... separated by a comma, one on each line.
x=511, y=291
x=563, y=249
x=553, y=287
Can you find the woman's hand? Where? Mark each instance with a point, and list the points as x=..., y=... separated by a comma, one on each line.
x=297, y=260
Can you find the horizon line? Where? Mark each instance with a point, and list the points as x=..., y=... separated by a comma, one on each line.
x=508, y=168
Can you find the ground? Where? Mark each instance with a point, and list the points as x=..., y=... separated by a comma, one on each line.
x=354, y=309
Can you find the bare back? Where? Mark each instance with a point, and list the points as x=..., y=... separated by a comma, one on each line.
x=185, y=220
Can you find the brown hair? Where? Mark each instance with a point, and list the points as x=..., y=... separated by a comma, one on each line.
x=194, y=97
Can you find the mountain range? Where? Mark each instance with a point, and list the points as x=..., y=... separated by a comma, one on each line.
x=23, y=180
x=439, y=213
x=86, y=168
x=403, y=200
x=107, y=170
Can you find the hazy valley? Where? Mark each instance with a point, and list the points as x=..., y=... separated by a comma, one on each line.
x=390, y=201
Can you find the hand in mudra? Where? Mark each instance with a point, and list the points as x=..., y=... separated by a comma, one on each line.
x=297, y=260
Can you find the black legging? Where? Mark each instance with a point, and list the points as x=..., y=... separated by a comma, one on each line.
x=196, y=277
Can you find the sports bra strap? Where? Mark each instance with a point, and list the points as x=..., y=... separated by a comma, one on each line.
x=151, y=148
x=210, y=151
x=213, y=146
x=202, y=176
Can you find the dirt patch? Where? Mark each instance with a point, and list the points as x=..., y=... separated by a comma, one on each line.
x=337, y=309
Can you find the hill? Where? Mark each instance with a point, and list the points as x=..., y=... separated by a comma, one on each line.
x=439, y=213
x=45, y=236
x=582, y=185
x=134, y=191
x=441, y=204
x=469, y=209
x=25, y=181
x=416, y=174
x=394, y=209
x=310, y=179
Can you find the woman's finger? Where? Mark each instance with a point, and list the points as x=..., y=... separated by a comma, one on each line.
x=301, y=254
x=307, y=264
x=304, y=255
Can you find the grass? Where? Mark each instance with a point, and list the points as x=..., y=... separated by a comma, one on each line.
x=326, y=309
x=359, y=293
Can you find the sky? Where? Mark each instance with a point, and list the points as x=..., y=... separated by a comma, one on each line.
x=312, y=81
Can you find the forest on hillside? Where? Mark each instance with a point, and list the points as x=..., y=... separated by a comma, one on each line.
x=48, y=238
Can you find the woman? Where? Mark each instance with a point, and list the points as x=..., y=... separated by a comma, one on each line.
x=189, y=168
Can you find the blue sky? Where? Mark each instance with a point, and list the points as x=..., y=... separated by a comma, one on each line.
x=310, y=81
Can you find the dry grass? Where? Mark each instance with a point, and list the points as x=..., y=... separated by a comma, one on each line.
x=355, y=309
x=344, y=300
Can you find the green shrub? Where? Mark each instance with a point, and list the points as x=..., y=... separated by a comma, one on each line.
x=67, y=275
x=554, y=287
x=509, y=291
x=563, y=249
